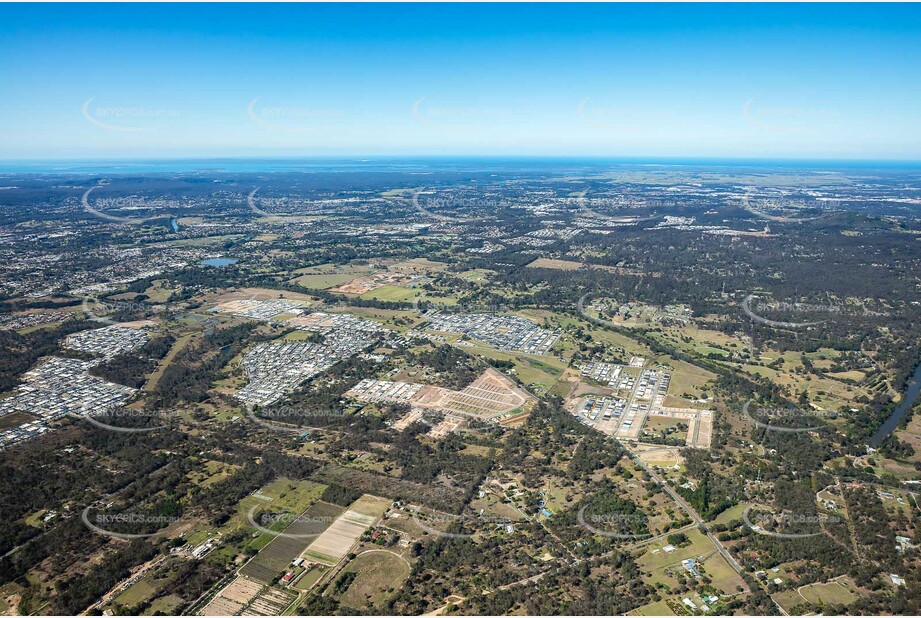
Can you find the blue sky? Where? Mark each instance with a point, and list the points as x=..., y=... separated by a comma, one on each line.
x=714, y=80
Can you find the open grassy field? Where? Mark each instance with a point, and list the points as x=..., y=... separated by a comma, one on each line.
x=380, y=575
x=310, y=577
x=390, y=292
x=656, y=608
x=324, y=281
x=476, y=275
x=731, y=513
x=723, y=577
x=137, y=592
x=555, y=264
x=544, y=371
x=655, y=562
x=164, y=606
x=842, y=591
x=788, y=599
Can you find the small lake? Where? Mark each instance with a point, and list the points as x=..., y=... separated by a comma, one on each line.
x=892, y=423
x=218, y=261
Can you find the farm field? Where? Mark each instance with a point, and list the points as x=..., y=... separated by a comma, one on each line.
x=283, y=549
x=336, y=541
x=282, y=497
x=323, y=281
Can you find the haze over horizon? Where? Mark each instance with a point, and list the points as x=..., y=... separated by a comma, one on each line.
x=651, y=81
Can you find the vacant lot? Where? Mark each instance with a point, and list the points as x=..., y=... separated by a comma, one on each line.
x=15, y=419
x=390, y=292
x=324, y=281
x=840, y=592
x=658, y=608
x=380, y=575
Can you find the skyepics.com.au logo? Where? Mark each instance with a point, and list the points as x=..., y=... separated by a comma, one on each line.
x=593, y=208
x=97, y=310
x=758, y=211
x=126, y=119
x=290, y=117
x=120, y=204
x=615, y=525
x=756, y=309
x=292, y=419
x=786, y=419
x=289, y=525
x=620, y=118
x=462, y=118
x=446, y=207
x=123, y=420
x=127, y=525
x=785, y=118
x=787, y=525
x=463, y=526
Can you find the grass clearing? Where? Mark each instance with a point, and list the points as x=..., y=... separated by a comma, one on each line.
x=389, y=292
x=379, y=576
x=555, y=264
x=656, y=608
x=657, y=562
x=839, y=592
x=323, y=281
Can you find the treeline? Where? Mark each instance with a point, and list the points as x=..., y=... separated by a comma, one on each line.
x=457, y=369
x=189, y=377
x=133, y=368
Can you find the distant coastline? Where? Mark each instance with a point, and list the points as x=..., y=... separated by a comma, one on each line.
x=404, y=163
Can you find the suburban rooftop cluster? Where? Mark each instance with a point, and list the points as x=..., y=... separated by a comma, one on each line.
x=56, y=387
x=275, y=369
x=107, y=342
x=505, y=332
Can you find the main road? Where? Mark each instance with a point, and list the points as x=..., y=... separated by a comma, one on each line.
x=694, y=516
x=688, y=509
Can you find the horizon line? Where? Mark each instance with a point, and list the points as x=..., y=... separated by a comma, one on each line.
x=384, y=157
